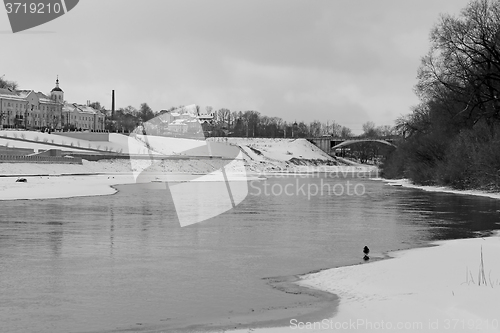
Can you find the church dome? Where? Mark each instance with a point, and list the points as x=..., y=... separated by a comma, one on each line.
x=56, y=88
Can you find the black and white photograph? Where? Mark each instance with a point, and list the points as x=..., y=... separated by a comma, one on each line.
x=249, y=166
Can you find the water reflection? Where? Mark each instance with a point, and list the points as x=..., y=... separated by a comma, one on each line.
x=450, y=216
x=111, y=230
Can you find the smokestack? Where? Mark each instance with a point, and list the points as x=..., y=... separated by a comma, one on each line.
x=113, y=104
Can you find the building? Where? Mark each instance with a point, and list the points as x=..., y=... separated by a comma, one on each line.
x=178, y=126
x=42, y=111
x=31, y=110
x=206, y=118
x=13, y=108
x=184, y=119
x=82, y=118
x=35, y=110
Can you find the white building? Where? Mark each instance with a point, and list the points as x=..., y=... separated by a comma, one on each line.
x=178, y=126
x=82, y=117
x=30, y=109
x=13, y=109
x=35, y=110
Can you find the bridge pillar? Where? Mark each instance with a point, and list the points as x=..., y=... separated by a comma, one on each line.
x=322, y=143
x=325, y=145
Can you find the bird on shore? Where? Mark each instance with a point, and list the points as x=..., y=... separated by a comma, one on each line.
x=366, y=250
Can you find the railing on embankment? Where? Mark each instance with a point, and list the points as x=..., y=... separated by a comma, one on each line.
x=111, y=156
x=40, y=159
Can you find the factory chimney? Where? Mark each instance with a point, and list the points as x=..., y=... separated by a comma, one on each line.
x=113, y=104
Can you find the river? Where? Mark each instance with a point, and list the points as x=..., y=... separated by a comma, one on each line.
x=122, y=262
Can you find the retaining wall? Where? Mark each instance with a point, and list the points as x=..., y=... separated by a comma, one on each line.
x=15, y=151
x=89, y=136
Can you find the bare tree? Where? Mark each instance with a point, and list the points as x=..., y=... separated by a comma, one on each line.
x=315, y=128
x=5, y=84
x=463, y=64
x=369, y=129
x=346, y=133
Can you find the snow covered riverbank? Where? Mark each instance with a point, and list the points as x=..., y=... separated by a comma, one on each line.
x=433, y=289
x=453, y=286
x=407, y=183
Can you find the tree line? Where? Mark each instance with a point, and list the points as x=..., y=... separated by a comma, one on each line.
x=453, y=136
x=254, y=124
x=233, y=123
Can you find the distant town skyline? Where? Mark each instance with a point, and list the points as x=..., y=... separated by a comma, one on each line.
x=347, y=61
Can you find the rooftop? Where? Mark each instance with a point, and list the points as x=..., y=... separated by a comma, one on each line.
x=73, y=107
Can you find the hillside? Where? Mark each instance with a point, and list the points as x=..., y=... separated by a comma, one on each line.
x=277, y=149
x=259, y=155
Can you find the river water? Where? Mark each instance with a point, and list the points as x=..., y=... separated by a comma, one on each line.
x=122, y=262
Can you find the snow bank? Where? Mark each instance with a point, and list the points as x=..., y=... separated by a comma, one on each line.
x=52, y=187
x=432, y=289
x=407, y=183
x=278, y=149
x=268, y=156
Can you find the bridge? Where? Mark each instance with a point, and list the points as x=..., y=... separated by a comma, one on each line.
x=330, y=144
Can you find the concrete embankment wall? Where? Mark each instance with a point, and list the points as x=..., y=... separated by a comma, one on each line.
x=89, y=136
x=15, y=151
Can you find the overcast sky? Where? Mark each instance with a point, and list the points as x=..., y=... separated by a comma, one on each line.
x=350, y=61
